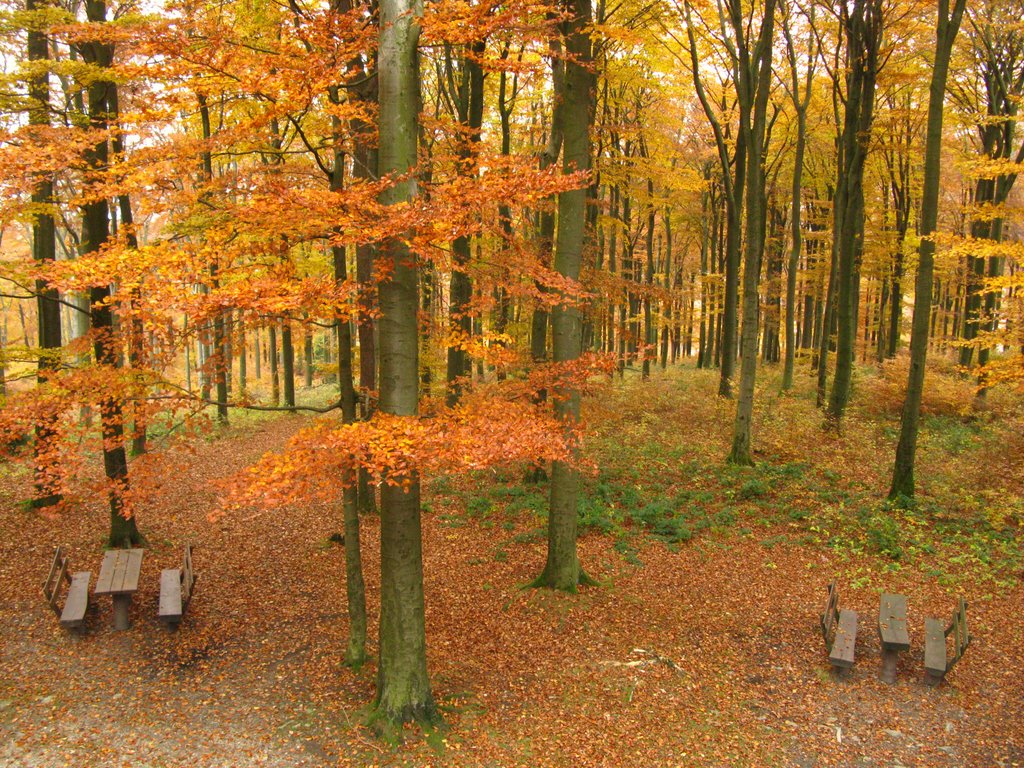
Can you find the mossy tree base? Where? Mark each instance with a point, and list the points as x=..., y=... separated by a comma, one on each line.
x=390, y=724
x=564, y=580
x=740, y=457
x=124, y=533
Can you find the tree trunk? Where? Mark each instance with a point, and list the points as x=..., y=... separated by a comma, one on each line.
x=275, y=374
x=355, y=585
x=562, y=570
x=801, y=101
x=753, y=88
x=796, y=244
x=864, y=33
x=288, y=363
x=903, y=470
x=403, y=687
x=44, y=249
x=123, y=529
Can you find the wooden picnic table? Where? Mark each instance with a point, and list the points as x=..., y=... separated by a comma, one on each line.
x=892, y=630
x=119, y=578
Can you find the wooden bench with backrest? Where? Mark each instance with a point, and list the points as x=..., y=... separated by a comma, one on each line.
x=936, y=662
x=76, y=602
x=839, y=628
x=176, y=590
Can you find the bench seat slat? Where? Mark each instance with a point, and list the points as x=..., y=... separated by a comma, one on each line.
x=170, y=595
x=892, y=623
x=936, y=662
x=77, y=601
x=845, y=640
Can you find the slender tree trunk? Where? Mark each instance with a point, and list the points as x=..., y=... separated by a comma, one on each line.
x=243, y=359
x=828, y=314
x=275, y=374
x=903, y=469
x=123, y=527
x=355, y=585
x=546, y=229
x=44, y=250
x=796, y=244
x=403, y=687
x=220, y=359
x=364, y=168
x=801, y=101
x=752, y=90
x=307, y=358
x=864, y=33
x=288, y=363
x=470, y=104
x=562, y=570
x=649, y=334
x=257, y=354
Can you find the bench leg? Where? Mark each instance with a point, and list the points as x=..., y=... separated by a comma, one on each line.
x=841, y=673
x=932, y=679
x=121, y=605
x=888, y=673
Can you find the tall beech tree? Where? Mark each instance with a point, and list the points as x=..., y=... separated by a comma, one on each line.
x=44, y=248
x=95, y=233
x=355, y=585
x=752, y=60
x=465, y=90
x=403, y=686
x=562, y=569
x=863, y=25
x=946, y=29
x=801, y=98
x=732, y=157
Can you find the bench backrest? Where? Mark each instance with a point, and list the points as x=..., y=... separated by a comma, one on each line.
x=187, y=575
x=958, y=628
x=831, y=614
x=58, y=572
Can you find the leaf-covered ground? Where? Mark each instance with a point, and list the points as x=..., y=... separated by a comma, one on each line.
x=700, y=646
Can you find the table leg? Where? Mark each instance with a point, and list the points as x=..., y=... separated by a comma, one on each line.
x=888, y=674
x=121, y=605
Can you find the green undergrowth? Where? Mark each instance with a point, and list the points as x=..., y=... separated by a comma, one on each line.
x=662, y=479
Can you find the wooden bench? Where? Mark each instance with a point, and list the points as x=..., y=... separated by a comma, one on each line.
x=936, y=662
x=176, y=590
x=76, y=602
x=892, y=631
x=839, y=628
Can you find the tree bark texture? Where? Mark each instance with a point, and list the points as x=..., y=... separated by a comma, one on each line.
x=403, y=687
x=562, y=569
x=903, y=470
x=96, y=230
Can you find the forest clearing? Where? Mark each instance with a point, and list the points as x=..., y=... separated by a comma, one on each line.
x=699, y=646
x=511, y=382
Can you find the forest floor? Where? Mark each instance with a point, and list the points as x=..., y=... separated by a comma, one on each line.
x=700, y=646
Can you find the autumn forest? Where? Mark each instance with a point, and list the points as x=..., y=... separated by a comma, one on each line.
x=511, y=382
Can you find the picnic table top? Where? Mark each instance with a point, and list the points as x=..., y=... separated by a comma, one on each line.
x=892, y=622
x=119, y=572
